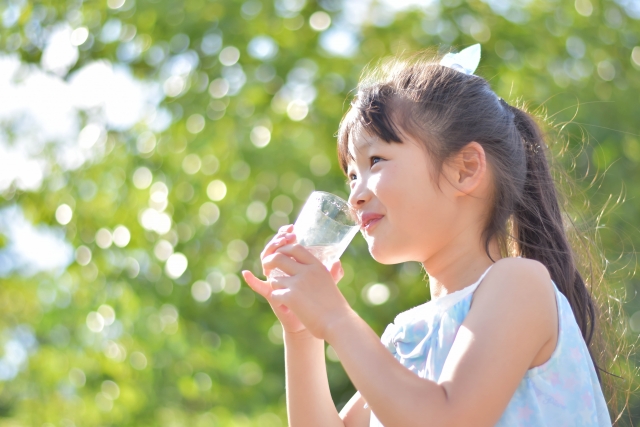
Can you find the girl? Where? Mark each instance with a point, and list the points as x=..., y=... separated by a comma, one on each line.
x=444, y=172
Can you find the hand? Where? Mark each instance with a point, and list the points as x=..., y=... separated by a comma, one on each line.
x=309, y=289
x=290, y=322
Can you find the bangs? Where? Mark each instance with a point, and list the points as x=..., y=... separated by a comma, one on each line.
x=371, y=112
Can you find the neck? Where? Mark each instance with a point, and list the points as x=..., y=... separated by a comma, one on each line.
x=457, y=266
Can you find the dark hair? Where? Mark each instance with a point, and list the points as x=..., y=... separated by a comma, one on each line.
x=446, y=109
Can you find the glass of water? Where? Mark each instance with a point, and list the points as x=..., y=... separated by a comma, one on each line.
x=325, y=227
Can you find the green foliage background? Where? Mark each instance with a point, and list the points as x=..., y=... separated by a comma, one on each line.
x=178, y=361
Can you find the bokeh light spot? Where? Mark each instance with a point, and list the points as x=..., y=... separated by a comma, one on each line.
x=110, y=389
x=201, y=291
x=606, y=70
x=297, y=110
x=203, y=381
x=142, y=178
x=159, y=192
x=260, y=136
x=64, y=214
x=83, y=255
x=146, y=142
x=95, y=322
x=232, y=284
x=237, y=250
x=218, y=88
x=108, y=314
x=320, y=21
x=217, y=281
x=176, y=265
x=163, y=250
x=138, y=360
x=282, y=203
x=195, y=123
x=210, y=164
x=584, y=7
x=104, y=238
x=191, y=163
x=216, y=190
x=79, y=36
x=229, y=56
x=262, y=47
x=376, y=293
x=256, y=212
x=121, y=236
x=174, y=86
x=209, y=213
x=115, y=4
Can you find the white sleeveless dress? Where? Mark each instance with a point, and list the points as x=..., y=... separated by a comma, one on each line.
x=562, y=392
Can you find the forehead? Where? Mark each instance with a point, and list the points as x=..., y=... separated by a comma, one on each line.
x=360, y=141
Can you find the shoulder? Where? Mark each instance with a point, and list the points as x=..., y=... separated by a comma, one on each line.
x=517, y=275
x=521, y=289
x=520, y=266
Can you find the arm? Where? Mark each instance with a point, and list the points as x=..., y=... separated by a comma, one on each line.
x=309, y=402
x=487, y=361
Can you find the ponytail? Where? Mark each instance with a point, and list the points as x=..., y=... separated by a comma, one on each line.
x=539, y=230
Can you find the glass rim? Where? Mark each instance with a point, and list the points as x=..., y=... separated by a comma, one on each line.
x=334, y=196
x=343, y=204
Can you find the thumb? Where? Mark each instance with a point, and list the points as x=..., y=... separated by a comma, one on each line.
x=261, y=287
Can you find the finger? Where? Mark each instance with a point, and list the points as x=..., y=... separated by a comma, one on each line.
x=265, y=289
x=261, y=287
x=286, y=228
x=299, y=253
x=337, y=272
x=278, y=240
x=278, y=282
x=281, y=262
x=281, y=297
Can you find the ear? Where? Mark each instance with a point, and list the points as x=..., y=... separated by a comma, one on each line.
x=468, y=168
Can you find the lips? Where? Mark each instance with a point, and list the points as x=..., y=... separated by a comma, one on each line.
x=368, y=220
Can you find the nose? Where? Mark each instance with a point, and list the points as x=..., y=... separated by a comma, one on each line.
x=359, y=195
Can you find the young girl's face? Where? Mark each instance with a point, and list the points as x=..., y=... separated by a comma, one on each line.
x=405, y=216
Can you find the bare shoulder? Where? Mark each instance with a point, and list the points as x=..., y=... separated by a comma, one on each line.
x=517, y=276
x=524, y=286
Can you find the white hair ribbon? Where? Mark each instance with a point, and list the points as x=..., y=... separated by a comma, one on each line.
x=465, y=61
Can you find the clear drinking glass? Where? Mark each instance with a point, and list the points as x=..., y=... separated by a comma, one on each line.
x=326, y=225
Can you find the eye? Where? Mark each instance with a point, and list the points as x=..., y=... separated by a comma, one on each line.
x=375, y=159
x=352, y=177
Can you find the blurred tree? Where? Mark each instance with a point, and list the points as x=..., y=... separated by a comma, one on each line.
x=188, y=131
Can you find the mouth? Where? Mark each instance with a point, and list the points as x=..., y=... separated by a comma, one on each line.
x=369, y=220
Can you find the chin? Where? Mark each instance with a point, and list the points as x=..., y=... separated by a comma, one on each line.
x=384, y=255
